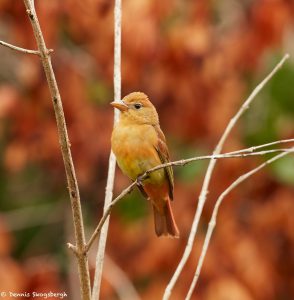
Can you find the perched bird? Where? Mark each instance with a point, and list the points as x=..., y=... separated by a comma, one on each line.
x=139, y=145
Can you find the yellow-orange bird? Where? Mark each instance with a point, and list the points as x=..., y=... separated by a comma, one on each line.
x=139, y=145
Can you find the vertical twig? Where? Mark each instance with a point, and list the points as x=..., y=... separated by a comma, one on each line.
x=204, y=190
x=112, y=160
x=212, y=222
x=66, y=153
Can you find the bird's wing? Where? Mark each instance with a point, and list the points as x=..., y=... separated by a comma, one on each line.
x=163, y=154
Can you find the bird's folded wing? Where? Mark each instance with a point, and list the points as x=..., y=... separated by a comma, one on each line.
x=163, y=154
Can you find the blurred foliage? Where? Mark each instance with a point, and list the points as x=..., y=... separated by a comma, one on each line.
x=195, y=170
x=273, y=114
x=284, y=170
x=197, y=61
x=132, y=208
x=282, y=92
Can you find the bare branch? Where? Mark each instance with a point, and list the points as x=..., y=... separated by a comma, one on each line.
x=65, y=150
x=112, y=160
x=208, y=175
x=23, y=50
x=253, y=148
x=212, y=222
x=183, y=162
x=240, y=153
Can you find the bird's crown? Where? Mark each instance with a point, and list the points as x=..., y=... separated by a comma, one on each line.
x=139, y=97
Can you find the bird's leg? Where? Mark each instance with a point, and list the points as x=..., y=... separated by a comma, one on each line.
x=141, y=189
x=140, y=185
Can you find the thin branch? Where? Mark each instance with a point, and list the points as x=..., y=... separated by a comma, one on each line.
x=253, y=148
x=66, y=152
x=208, y=175
x=112, y=160
x=212, y=222
x=182, y=163
x=23, y=50
x=240, y=153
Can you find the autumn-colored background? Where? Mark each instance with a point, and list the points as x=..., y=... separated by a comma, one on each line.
x=197, y=60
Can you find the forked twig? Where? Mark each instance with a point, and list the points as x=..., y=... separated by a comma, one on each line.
x=240, y=153
x=212, y=222
x=81, y=248
x=207, y=178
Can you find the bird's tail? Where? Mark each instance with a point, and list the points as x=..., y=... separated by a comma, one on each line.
x=165, y=222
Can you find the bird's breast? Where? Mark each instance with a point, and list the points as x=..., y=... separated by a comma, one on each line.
x=134, y=148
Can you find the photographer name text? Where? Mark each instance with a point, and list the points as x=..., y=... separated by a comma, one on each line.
x=43, y=295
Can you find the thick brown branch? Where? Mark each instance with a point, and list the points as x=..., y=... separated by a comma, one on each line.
x=66, y=152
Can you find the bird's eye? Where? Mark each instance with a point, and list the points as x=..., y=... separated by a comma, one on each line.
x=138, y=105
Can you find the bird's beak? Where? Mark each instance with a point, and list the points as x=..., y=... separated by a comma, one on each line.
x=119, y=105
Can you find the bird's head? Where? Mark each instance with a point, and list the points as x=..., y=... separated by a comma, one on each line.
x=136, y=108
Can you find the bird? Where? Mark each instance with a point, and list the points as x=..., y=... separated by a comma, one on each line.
x=139, y=145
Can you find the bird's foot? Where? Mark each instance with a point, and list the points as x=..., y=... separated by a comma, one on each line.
x=140, y=179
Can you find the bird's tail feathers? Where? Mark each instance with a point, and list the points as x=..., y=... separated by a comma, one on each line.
x=165, y=222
